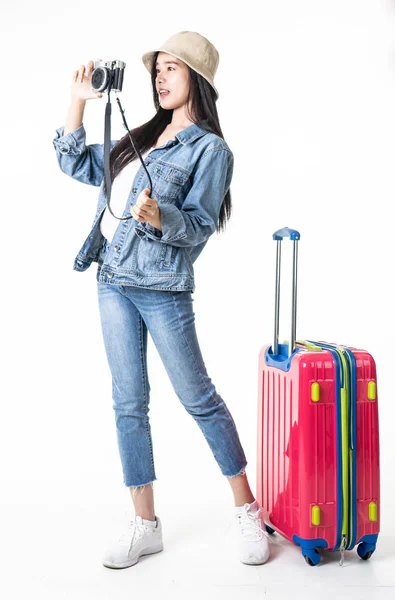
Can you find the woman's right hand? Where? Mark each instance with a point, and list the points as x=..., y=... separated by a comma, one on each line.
x=81, y=83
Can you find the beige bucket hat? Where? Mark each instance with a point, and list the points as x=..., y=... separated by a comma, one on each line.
x=192, y=48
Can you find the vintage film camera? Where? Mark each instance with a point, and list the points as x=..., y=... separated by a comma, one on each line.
x=108, y=75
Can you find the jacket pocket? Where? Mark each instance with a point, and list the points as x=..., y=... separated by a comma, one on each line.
x=166, y=257
x=168, y=181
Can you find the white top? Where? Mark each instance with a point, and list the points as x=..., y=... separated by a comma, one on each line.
x=120, y=191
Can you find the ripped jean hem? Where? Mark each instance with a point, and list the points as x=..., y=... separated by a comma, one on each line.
x=140, y=487
x=241, y=472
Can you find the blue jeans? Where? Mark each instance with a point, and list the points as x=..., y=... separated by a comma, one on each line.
x=126, y=313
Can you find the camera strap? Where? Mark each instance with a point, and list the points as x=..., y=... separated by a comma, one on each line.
x=107, y=149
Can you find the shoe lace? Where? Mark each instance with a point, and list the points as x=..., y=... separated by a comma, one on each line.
x=133, y=533
x=251, y=523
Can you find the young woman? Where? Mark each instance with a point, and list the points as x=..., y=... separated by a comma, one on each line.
x=145, y=273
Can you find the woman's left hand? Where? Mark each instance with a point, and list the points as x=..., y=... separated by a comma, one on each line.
x=147, y=209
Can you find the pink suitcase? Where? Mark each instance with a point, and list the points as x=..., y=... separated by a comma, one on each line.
x=317, y=440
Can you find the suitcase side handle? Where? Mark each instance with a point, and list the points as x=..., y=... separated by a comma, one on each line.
x=295, y=237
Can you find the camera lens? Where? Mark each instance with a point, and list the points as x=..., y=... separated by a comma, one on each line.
x=100, y=78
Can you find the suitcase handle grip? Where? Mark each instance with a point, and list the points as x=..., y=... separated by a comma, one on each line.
x=286, y=232
x=295, y=237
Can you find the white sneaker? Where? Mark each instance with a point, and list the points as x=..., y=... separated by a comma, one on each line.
x=137, y=540
x=253, y=538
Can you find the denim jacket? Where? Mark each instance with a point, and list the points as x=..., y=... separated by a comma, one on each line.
x=190, y=177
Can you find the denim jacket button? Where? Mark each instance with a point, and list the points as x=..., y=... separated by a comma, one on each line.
x=134, y=190
x=109, y=275
x=116, y=247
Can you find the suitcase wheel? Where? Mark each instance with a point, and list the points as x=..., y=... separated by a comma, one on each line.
x=365, y=550
x=269, y=530
x=312, y=557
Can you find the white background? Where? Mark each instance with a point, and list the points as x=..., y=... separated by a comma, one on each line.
x=307, y=93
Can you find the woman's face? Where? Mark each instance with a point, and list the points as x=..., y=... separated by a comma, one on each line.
x=171, y=74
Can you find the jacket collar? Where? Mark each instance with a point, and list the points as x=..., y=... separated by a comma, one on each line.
x=193, y=132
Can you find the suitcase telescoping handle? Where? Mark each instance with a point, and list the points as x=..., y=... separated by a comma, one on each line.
x=278, y=236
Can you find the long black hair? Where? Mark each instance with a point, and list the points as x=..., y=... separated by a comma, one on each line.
x=202, y=99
